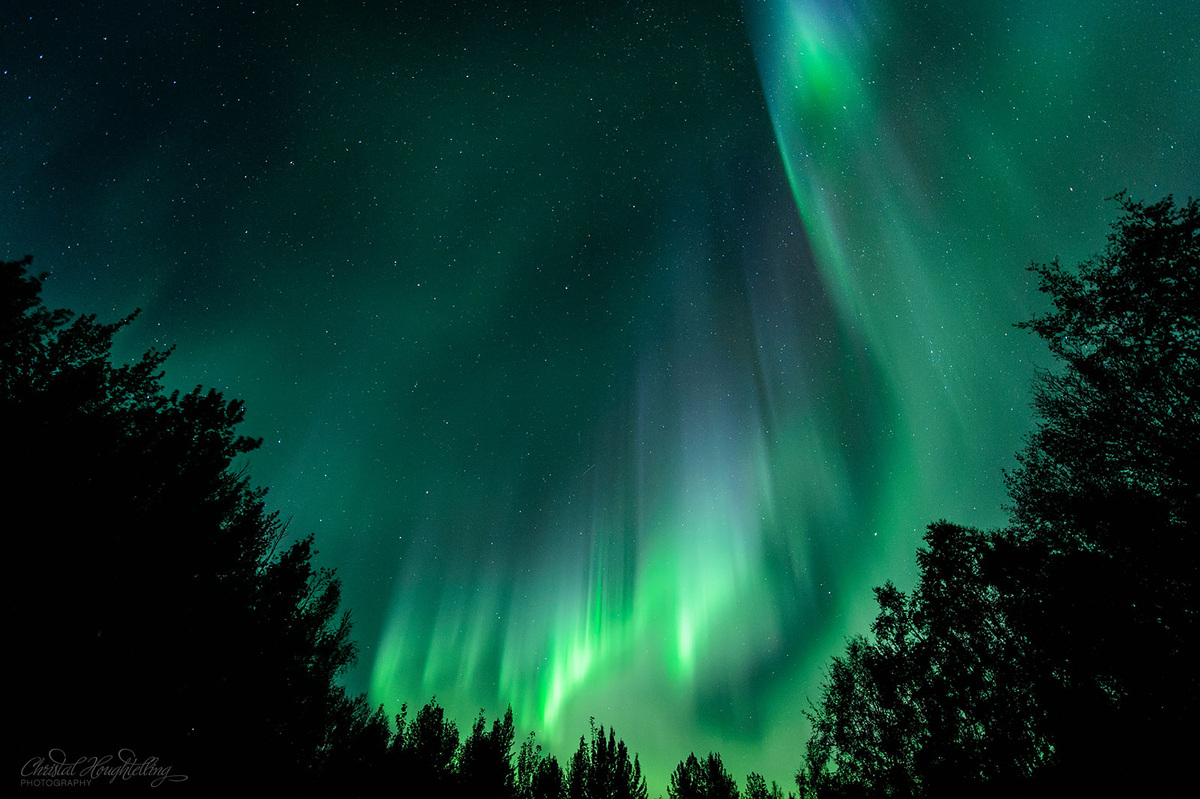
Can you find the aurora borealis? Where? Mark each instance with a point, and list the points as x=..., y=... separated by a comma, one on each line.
x=613, y=351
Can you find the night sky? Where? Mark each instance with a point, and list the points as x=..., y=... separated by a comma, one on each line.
x=612, y=351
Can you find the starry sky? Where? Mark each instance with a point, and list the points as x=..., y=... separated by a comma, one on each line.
x=611, y=350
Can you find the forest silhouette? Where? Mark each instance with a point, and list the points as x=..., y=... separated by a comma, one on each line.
x=167, y=617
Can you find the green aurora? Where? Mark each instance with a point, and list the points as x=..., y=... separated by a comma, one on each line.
x=612, y=350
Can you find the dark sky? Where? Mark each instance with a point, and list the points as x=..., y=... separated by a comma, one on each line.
x=613, y=351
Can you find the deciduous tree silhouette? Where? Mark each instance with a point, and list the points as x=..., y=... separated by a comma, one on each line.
x=937, y=700
x=1059, y=652
x=162, y=609
x=1105, y=500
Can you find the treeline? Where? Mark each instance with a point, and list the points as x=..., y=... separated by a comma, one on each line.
x=426, y=751
x=168, y=633
x=427, y=755
x=165, y=623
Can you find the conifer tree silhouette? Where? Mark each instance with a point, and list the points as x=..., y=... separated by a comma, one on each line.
x=163, y=609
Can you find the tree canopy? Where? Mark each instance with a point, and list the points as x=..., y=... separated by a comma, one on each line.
x=171, y=615
x=1059, y=651
x=603, y=769
x=1102, y=551
x=165, y=610
x=168, y=613
x=702, y=779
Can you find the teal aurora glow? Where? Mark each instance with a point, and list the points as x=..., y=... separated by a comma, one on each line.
x=613, y=350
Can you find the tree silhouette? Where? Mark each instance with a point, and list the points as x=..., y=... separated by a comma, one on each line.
x=756, y=788
x=164, y=612
x=702, y=779
x=1104, y=502
x=937, y=700
x=423, y=750
x=1058, y=653
x=538, y=775
x=601, y=769
x=485, y=761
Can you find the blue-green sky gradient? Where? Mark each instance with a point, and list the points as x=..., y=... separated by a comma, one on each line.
x=613, y=351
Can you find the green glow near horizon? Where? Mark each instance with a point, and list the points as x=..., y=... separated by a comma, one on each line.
x=683, y=591
x=613, y=353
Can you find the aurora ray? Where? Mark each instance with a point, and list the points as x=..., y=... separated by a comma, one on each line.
x=612, y=352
